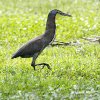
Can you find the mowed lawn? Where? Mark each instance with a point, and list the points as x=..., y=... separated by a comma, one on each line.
x=75, y=73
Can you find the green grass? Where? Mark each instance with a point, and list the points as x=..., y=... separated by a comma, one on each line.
x=75, y=73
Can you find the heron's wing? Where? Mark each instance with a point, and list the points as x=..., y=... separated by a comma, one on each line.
x=30, y=48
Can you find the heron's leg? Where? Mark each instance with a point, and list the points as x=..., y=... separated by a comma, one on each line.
x=33, y=65
x=41, y=64
x=34, y=59
x=44, y=64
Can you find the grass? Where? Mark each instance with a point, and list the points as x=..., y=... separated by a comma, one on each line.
x=75, y=71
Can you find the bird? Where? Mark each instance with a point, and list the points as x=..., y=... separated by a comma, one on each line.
x=35, y=46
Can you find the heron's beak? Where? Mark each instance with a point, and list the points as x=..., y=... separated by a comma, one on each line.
x=68, y=15
x=64, y=14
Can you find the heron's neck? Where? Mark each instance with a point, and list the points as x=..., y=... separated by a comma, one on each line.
x=51, y=22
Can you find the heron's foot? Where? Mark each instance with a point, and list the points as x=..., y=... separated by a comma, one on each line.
x=43, y=65
x=33, y=65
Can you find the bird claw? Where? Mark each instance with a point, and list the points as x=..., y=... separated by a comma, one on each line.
x=42, y=64
x=47, y=66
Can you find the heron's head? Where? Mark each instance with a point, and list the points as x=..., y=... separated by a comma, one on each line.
x=55, y=11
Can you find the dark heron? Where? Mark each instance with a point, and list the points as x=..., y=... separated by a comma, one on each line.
x=35, y=46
